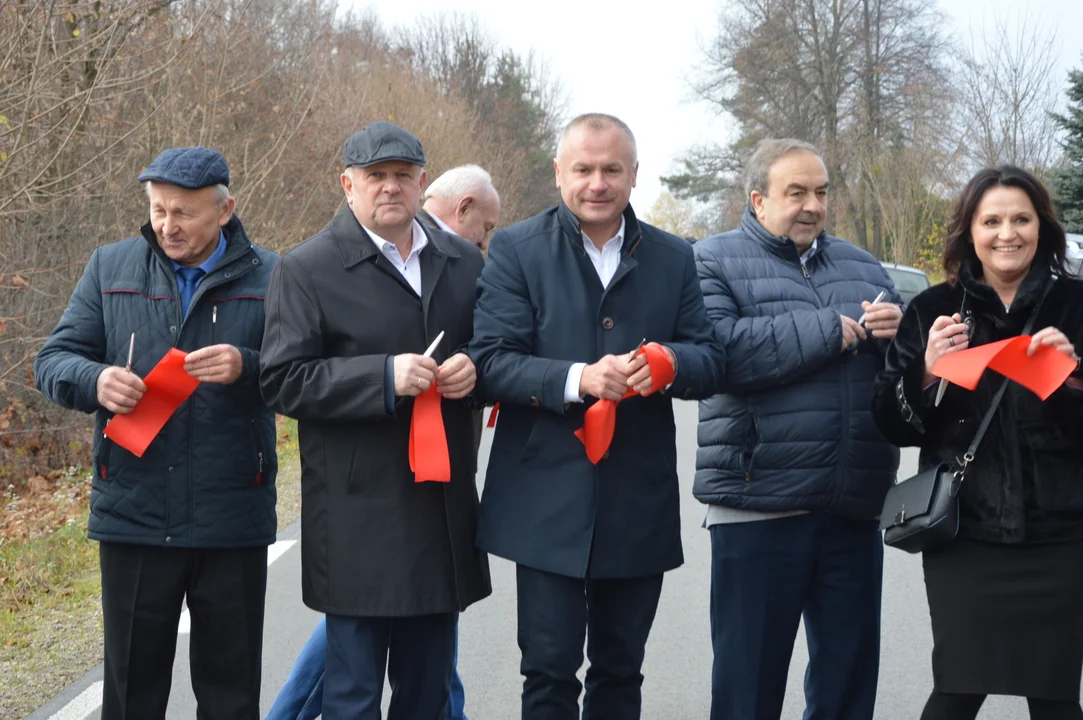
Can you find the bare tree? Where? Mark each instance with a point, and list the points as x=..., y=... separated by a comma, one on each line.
x=826, y=71
x=91, y=91
x=1008, y=92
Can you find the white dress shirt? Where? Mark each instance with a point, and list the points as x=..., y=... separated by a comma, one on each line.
x=410, y=268
x=442, y=225
x=605, y=261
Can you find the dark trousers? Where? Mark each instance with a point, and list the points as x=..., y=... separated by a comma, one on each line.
x=556, y=614
x=945, y=706
x=764, y=576
x=143, y=588
x=418, y=654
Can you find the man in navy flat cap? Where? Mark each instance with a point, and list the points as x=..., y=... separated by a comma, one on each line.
x=191, y=518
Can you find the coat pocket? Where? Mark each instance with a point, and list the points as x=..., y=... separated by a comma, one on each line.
x=1054, y=457
x=101, y=463
x=750, y=446
x=258, y=458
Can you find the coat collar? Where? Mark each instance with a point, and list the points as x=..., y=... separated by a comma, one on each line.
x=355, y=245
x=784, y=247
x=237, y=243
x=1030, y=290
x=573, y=230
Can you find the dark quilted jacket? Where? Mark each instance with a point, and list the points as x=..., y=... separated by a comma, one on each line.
x=208, y=478
x=793, y=429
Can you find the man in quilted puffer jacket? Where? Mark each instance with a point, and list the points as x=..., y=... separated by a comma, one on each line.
x=191, y=518
x=790, y=463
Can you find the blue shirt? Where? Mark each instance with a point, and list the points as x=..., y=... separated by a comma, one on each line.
x=206, y=266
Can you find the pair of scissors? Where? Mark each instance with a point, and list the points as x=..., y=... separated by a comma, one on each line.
x=861, y=320
x=943, y=386
x=435, y=343
x=131, y=353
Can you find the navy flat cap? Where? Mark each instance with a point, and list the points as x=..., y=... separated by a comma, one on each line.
x=189, y=167
x=380, y=142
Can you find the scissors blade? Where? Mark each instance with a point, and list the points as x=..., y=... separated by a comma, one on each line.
x=861, y=320
x=940, y=389
x=432, y=348
x=131, y=352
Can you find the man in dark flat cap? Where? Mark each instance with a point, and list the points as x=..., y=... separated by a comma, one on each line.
x=387, y=534
x=191, y=518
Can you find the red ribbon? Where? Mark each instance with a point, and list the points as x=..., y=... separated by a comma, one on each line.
x=492, y=416
x=429, y=458
x=600, y=420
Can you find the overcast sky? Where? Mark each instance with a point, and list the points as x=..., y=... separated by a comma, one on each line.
x=635, y=64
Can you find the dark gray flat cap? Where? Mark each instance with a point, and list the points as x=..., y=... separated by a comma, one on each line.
x=188, y=167
x=380, y=142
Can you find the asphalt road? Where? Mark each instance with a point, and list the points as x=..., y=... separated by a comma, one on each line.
x=678, y=662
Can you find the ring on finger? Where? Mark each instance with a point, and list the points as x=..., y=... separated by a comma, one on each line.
x=951, y=341
x=419, y=382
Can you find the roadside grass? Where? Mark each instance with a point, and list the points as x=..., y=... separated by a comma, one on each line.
x=56, y=570
x=50, y=587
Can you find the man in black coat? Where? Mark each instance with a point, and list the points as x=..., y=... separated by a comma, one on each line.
x=193, y=516
x=387, y=553
x=564, y=302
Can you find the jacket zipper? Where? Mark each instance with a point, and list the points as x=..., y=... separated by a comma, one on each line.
x=845, y=406
x=254, y=432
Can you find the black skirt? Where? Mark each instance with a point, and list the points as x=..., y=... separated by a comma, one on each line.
x=1007, y=619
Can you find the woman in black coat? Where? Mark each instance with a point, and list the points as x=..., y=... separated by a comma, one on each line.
x=1006, y=596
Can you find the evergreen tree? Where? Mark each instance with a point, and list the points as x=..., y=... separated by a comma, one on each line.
x=1068, y=180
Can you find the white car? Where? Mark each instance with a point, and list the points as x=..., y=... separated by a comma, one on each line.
x=1074, y=255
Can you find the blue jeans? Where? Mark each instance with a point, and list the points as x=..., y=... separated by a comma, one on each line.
x=301, y=698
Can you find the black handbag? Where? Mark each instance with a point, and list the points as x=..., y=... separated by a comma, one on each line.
x=922, y=512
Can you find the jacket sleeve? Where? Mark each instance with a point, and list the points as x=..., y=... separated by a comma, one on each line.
x=246, y=388
x=503, y=343
x=765, y=352
x=902, y=421
x=67, y=367
x=294, y=376
x=700, y=359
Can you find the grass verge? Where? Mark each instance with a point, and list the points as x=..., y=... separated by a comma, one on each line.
x=50, y=588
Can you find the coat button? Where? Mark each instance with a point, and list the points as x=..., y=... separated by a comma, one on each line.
x=534, y=401
x=168, y=539
x=607, y=323
x=172, y=328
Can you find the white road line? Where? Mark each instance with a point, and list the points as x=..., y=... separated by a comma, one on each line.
x=87, y=702
x=273, y=553
x=91, y=699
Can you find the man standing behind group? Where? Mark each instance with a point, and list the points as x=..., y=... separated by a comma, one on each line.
x=463, y=202
x=564, y=301
x=790, y=460
x=191, y=518
x=388, y=555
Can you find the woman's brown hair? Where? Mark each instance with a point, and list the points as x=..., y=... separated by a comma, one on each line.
x=959, y=248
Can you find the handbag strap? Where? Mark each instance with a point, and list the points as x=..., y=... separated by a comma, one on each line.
x=969, y=457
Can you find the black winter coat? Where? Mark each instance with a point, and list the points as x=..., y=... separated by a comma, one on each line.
x=1025, y=482
x=374, y=542
x=208, y=478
